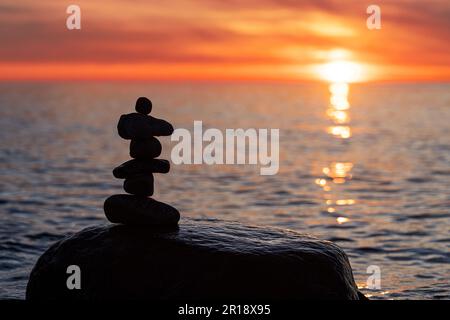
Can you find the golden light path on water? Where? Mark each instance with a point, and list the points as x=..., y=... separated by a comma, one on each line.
x=338, y=110
x=338, y=172
x=339, y=73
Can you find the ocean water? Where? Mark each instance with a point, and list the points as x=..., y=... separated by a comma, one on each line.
x=368, y=169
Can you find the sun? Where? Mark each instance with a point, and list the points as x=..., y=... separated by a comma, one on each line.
x=340, y=71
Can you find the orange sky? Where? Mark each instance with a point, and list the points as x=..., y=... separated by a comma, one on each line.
x=222, y=39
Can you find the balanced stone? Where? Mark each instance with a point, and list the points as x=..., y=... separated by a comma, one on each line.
x=137, y=208
x=140, y=185
x=137, y=166
x=143, y=105
x=138, y=126
x=145, y=149
x=134, y=210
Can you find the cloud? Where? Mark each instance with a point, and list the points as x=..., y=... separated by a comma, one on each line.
x=233, y=33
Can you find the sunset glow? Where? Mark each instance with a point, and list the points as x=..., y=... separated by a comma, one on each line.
x=225, y=40
x=341, y=72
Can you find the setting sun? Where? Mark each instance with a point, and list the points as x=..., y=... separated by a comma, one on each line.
x=341, y=72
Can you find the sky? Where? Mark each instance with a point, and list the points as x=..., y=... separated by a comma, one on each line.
x=286, y=40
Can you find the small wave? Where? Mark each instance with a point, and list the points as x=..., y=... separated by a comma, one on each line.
x=442, y=240
x=338, y=239
x=282, y=193
x=240, y=191
x=93, y=185
x=424, y=276
x=441, y=172
x=399, y=258
x=301, y=203
x=415, y=233
x=369, y=250
x=47, y=236
x=419, y=179
x=375, y=190
x=426, y=216
x=341, y=226
x=438, y=260
x=17, y=247
x=18, y=211
x=265, y=204
x=30, y=202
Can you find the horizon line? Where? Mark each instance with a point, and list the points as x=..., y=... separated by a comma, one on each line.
x=222, y=80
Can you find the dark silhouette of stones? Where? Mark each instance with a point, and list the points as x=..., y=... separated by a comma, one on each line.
x=145, y=149
x=201, y=259
x=136, y=166
x=143, y=105
x=138, y=126
x=136, y=210
x=140, y=185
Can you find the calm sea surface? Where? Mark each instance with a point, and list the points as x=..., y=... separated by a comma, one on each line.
x=369, y=170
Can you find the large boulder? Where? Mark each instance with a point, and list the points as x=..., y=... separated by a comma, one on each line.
x=200, y=259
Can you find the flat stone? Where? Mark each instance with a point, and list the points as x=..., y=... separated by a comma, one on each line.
x=139, y=185
x=202, y=259
x=145, y=149
x=138, y=126
x=136, y=166
x=143, y=105
x=135, y=210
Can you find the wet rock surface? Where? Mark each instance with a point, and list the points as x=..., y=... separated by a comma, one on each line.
x=199, y=259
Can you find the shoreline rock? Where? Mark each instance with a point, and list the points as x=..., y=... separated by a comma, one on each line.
x=201, y=259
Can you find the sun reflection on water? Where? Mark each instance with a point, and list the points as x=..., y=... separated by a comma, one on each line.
x=338, y=172
x=338, y=110
x=342, y=220
x=343, y=132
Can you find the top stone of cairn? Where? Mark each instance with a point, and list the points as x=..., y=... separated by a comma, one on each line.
x=143, y=105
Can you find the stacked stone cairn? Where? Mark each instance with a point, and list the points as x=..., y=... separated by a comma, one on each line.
x=137, y=208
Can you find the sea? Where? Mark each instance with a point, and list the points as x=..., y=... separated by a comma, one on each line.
x=366, y=166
